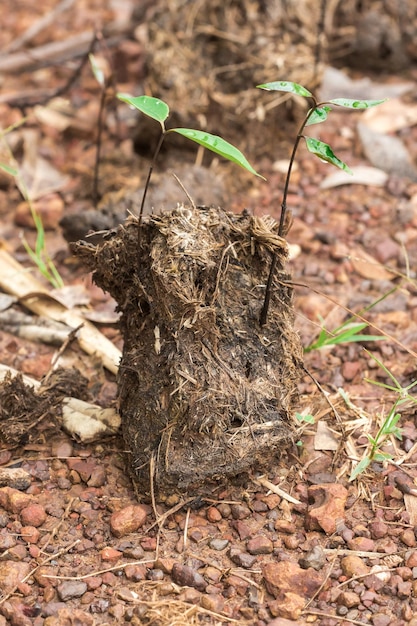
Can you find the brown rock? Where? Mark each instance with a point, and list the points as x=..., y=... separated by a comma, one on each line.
x=289, y=606
x=243, y=529
x=149, y=544
x=13, y=500
x=39, y=575
x=127, y=520
x=30, y=534
x=135, y=572
x=361, y=544
x=328, y=507
x=70, y=616
x=353, y=566
x=284, y=526
x=260, y=545
x=240, y=511
x=187, y=577
x=237, y=583
x=12, y=573
x=350, y=369
x=286, y=576
x=348, y=598
x=165, y=564
x=15, y=612
x=282, y=621
x=33, y=515
x=213, y=514
x=190, y=596
x=110, y=554
x=50, y=209
x=378, y=529
x=412, y=559
x=212, y=602
x=408, y=537
x=240, y=558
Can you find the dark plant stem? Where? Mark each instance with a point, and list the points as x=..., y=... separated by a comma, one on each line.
x=95, y=193
x=268, y=292
x=148, y=179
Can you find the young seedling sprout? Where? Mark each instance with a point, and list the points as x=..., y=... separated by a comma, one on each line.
x=315, y=115
x=158, y=110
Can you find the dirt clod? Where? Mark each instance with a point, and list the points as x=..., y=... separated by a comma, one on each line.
x=205, y=392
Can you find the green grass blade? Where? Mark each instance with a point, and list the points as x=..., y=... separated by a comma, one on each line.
x=356, y=104
x=218, y=145
x=359, y=468
x=324, y=152
x=285, y=85
x=152, y=107
x=9, y=170
x=386, y=370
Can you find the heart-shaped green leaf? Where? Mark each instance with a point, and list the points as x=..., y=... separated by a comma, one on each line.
x=218, y=145
x=152, y=107
x=356, y=104
x=324, y=152
x=285, y=85
x=318, y=115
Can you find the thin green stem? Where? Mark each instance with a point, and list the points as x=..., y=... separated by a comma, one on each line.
x=274, y=260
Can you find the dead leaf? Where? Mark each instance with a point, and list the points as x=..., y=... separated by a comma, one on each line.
x=368, y=267
x=39, y=175
x=336, y=84
x=362, y=175
x=325, y=438
x=390, y=116
x=387, y=153
x=411, y=507
x=88, y=422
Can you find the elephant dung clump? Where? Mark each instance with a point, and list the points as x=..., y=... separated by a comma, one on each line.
x=205, y=393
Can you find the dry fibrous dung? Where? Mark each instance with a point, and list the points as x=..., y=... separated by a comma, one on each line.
x=205, y=392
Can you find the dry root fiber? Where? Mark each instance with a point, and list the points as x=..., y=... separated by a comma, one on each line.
x=205, y=392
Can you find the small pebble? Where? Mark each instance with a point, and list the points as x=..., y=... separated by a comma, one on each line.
x=187, y=577
x=260, y=545
x=71, y=589
x=219, y=544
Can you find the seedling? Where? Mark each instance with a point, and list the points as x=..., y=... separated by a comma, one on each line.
x=390, y=423
x=39, y=255
x=105, y=82
x=346, y=333
x=158, y=110
x=403, y=392
x=373, y=452
x=316, y=114
x=349, y=331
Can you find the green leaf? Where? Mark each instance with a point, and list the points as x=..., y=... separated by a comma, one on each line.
x=324, y=152
x=152, y=107
x=380, y=457
x=285, y=85
x=360, y=467
x=218, y=145
x=10, y=170
x=356, y=104
x=309, y=419
x=97, y=71
x=318, y=115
